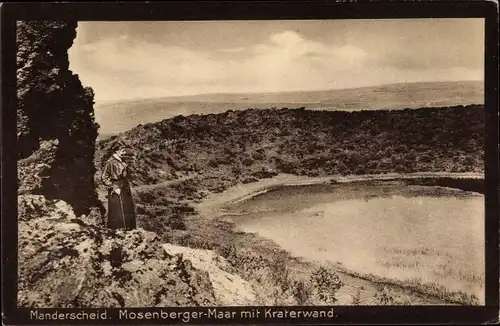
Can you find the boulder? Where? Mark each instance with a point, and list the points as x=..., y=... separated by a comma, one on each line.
x=229, y=289
x=65, y=262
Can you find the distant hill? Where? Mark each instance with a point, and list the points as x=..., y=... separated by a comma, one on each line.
x=239, y=146
x=118, y=116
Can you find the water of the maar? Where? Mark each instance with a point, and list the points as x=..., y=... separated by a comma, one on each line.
x=427, y=234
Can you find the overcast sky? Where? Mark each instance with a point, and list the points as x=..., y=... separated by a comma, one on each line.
x=124, y=60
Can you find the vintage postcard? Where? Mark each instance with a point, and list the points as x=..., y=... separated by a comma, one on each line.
x=262, y=163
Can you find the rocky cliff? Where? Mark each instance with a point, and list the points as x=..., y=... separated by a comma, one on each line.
x=56, y=128
x=65, y=258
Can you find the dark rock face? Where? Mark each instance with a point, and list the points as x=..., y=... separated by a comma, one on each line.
x=65, y=263
x=56, y=129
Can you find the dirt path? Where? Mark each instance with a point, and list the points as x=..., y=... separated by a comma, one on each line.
x=166, y=183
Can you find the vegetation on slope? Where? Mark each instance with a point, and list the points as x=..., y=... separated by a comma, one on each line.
x=119, y=116
x=243, y=146
x=186, y=158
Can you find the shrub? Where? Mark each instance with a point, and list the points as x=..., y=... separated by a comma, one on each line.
x=237, y=170
x=176, y=222
x=302, y=292
x=356, y=300
x=228, y=251
x=140, y=209
x=326, y=284
x=158, y=225
x=258, y=155
x=250, y=180
x=279, y=270
x=360, y=170
x=385, y=297
x=247, y=161
x=265, y=173
x=145, y=197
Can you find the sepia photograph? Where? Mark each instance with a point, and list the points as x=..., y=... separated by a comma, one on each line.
x=249, y=169
x=250, y=163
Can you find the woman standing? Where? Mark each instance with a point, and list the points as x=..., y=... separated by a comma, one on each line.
x=115, y=176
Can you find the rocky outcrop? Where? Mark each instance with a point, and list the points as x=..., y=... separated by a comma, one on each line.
x=229, y=289
x=66, y=262
x=56, y=130
x=65, y=257
x=31, y=171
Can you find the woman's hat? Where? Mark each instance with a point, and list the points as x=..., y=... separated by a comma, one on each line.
x=128, y=152
x=119, y=144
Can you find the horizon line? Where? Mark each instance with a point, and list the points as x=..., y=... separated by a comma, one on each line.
x=137, y=99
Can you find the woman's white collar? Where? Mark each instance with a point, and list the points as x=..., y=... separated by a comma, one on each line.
x=117, y=157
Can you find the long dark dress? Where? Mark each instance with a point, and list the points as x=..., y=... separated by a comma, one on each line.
x=121, y=212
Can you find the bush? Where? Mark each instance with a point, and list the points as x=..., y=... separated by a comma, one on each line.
x=228, y=251
x=248, y=161
x=356, y=300
x=265, y=173
x=385, y=297
x=279, y=271
x=176, y=222
x=158, y=225
x=145, y=197
x=259, y=155
x=326, y=284
x=250, y=180
x=302, y=292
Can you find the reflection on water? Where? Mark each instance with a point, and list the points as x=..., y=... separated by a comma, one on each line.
x=429, y=233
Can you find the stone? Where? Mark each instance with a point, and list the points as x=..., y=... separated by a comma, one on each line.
x=65, y=262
